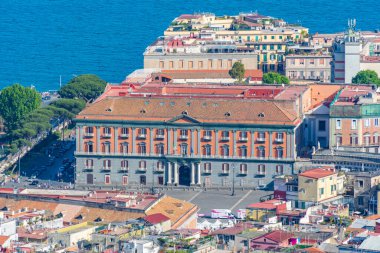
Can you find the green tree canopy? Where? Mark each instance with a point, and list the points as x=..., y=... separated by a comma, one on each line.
x=275, y=78
x=16, y=102
x=72, y=105
x=366, y=77
x=18, y=144
x=87, y=87
x=237, y=71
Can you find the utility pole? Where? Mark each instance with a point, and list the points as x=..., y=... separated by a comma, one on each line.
x=233, y=180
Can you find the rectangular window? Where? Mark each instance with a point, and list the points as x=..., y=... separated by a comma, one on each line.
x=312, y=61
x=261, y=169
x=243, y=168
x=180, y=65
x=162, y=65
x=302, y=61
x=376, y=122
x=89, y=163
x=225, y=168
x=354, y=124
x=338, y=124
x=279, y=169
x=125, y=180
x=321, y=61
x=360, y=183
x=321, y=191
x=124, y=164
x=107, y=179
x=171, y=64
x=220, y=63
x=200, y=65
x=322, y=125
x=367, y=122
x=107, y=164
x=191, y=64
x=207, y=167
x=229, y=64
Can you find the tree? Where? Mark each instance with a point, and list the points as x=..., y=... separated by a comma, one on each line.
x=275, y=78
x=237, y=71
x=72, y=105
x=366, y=77
x=87, y=87
x=16, y=102
x=16, y=147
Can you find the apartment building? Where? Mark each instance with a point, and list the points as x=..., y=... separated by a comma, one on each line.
x=354, y=120
x=197, y=54
x=268, y=36
x=184, y=141
x=308, y=67
x=353, y=52
x=317, y=186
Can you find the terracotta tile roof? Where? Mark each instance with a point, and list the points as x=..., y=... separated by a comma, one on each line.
x=173, y=208
x=237, y=229
x=3, y=239
x=313, y=250
x=156, y=218
x=200, y=109
x=278, y=236
x=318, y=173
x=269, y=204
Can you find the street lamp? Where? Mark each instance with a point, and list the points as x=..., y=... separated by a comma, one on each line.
x=152, y=178
x=233, y=180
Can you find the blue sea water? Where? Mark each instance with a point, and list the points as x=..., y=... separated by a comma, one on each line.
x=43, y=39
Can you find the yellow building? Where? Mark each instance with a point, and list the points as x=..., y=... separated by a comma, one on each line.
x=316, y=186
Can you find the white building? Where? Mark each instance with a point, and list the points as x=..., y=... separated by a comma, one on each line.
x=140, y=246
x=353, y=52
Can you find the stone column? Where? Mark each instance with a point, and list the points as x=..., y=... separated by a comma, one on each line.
x=169, y=171
x=234, y=143
x=116, y=139
x=176, y=174
x=175, y=141
x=199, y=152
x=192, y=174
x=80, y=138
x=198, y=173
x=270, y=145
x=216, y=143
x=98, y=139
x=192, y=142
x=151, y=141
x=133, y=141
x=169, y=141
x=252, y=144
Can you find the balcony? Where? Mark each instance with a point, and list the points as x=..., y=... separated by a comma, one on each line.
x=225, y=172
x=106, y=169
x=141, y=136
x=124, y=169
x=243, y=138
x=183, y=137
x=89, y=168
x=142, y=169
x=124, y=136
x=106, y=135
x=207, y=138
x=88, y=134
x=207, y=171
x=243, y=172
x=160, y=136
x=225, y=138
x=159, y=169
x=279, y=140
x=260, y=139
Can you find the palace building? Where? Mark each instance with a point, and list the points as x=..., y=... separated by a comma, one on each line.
x=167, y=135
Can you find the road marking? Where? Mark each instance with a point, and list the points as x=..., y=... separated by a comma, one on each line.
x=196, y=195
x=240, y=200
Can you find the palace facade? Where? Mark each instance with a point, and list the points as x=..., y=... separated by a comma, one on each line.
x=127, y=141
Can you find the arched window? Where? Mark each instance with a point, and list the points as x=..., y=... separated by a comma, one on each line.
x=243, y=151
x=184, y=147
x=124, y=148
x=207, y=150
x=261, y=151
x=106, y=147
x=160, y=150
x=225, y=150
x=142, y=148
x=279, y=152
x=89, y=147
